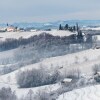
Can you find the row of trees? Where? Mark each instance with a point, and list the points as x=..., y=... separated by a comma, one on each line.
x=80, y=37
x=43, y=37
x=70, y=28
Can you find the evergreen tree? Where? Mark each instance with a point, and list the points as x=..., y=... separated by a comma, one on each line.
x=80, y=36
x=80, y=33
x=77, y=27
x=74, y=28
x=60, y=27
x=7, y=24
x=70, y=29
x=66, y=27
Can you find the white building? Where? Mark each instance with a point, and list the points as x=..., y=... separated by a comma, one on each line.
x=11, y=29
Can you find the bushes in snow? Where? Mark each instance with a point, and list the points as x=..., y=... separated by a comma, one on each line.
x=42, y=95
x=7, y=94
x=28, y=96
x=96, y=71
x=36, y=77
x=97, y=78
x=39, y=95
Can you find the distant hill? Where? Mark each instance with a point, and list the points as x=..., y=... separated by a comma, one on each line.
x=54, y=25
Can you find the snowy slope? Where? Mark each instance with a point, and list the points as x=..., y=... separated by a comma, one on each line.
x=17, y=35
x=88, y=93
x=6, y=54
x=67, y=61
x=24, y=91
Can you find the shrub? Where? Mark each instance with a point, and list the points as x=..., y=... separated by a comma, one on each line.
x=97, y=78
x=7, y=94
x=76, y=59
x=36, y=77
x=85, y=59
x=42, y=95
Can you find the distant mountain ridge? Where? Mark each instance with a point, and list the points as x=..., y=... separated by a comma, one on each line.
x=54, y=25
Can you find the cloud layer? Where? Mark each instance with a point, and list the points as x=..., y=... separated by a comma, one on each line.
x=48, y=10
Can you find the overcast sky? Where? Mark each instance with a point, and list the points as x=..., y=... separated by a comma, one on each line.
x=48, y=10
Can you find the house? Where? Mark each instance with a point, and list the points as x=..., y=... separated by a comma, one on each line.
x=66, y=81
x=11, y=29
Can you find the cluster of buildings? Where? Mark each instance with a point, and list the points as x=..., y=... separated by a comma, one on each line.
x=10, y=28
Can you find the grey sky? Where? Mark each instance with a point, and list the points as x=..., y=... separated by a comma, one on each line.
x=48, y=10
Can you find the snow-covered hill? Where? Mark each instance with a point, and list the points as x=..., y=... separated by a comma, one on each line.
x=17, y=35
x=85, y=62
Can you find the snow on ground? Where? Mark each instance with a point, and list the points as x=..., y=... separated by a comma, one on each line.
x=88, y=93
x=95, y=28
x=24, y=91
x=8, y=53
x=84, y=60
x=17, y=35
